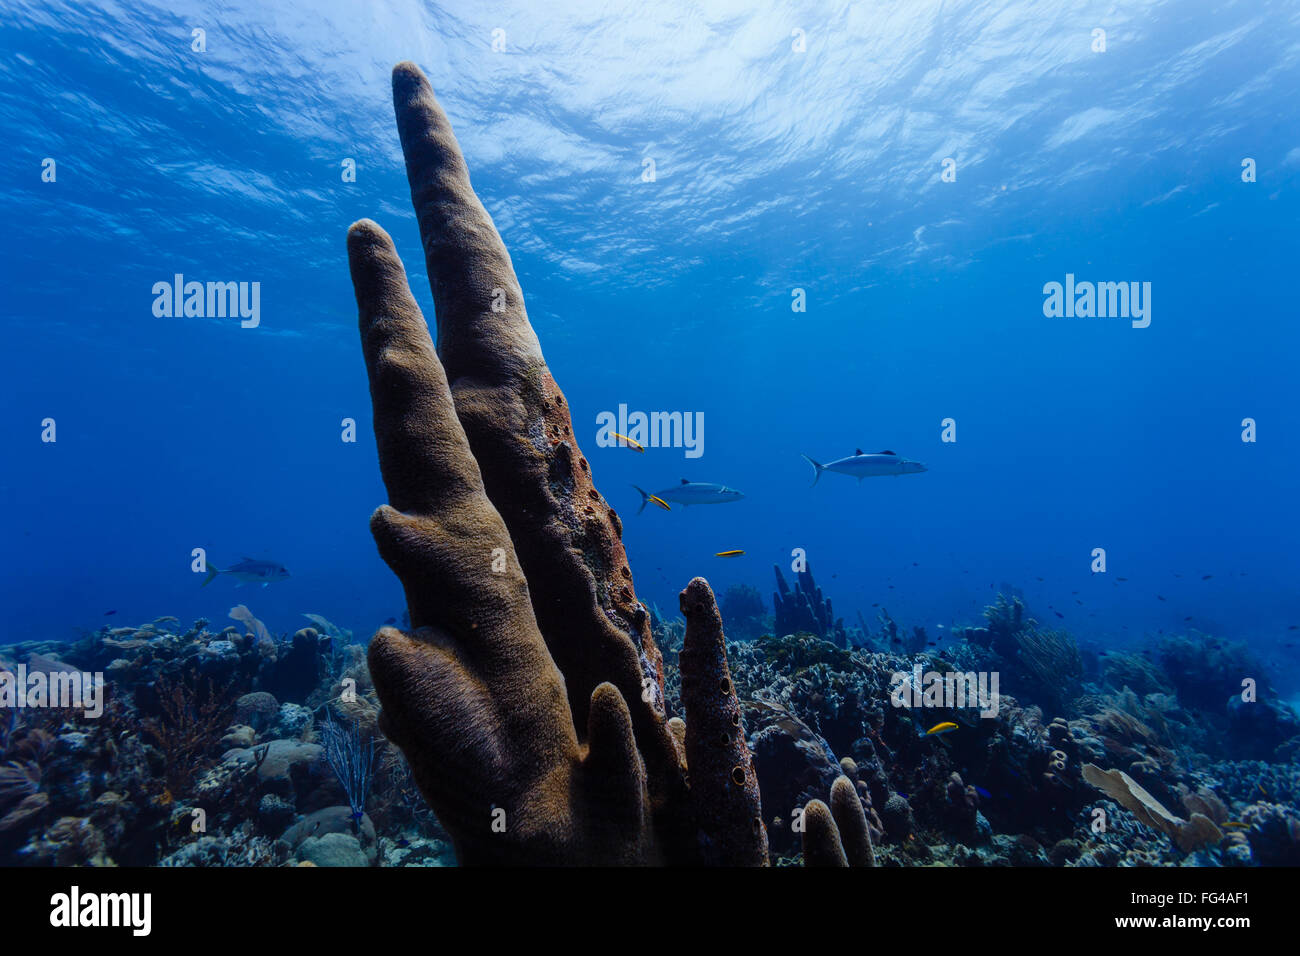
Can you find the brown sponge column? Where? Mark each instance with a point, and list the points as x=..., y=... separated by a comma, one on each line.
x=851, y=821
x=837, y=835
x=567, y=536
x=724, y=790
x=472, y=696
x=516, y=420
x=528, y=697
x=821, y=839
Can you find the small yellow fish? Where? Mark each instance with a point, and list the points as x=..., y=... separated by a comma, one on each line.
x=946, y=727
x=656, y=500
x=631, y=443
x=1236, y=824
x=729, y=554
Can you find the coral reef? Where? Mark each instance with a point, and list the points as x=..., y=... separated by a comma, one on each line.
x=1041, y=664
x=806, y=723
x=1205, y=672
x=1008, y=789
x=1188, y=834
x=1273, y=834
x=194, y=762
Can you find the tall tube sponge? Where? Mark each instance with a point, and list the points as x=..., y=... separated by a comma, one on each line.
x=528, y=694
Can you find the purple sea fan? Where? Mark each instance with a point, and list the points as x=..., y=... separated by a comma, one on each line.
x=353, y=764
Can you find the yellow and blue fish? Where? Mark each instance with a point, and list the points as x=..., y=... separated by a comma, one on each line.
x=629, y=442
x=938, y=730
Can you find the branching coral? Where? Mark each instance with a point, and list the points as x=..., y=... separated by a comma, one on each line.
x=1206, y=671
x=17, y=782
x=191, y=722
x=1136, y=672
x=1046, y=664
x=528, y=696
x=1051, y=665
x=805, y=608
x=1274, y=834
x=8, y=726
x=1005, y=621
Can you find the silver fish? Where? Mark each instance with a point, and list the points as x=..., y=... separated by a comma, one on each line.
x=692, y=493
x=861, y=465
x=249, y=570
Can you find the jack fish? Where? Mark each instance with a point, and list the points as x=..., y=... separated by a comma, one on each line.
x=249, y=571
x=691, y=493
x=861, y=465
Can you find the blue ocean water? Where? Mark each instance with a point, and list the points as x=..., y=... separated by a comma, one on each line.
x=800, y=147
